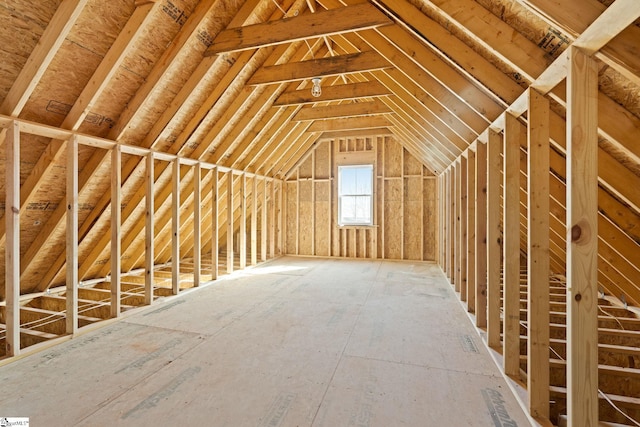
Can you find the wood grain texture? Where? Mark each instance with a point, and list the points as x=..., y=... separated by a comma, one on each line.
x=513, y=133
x=12, y=249
x=538, y=255
x=326, y=23
x=582, y=241
x=481, y=235
x=494, y=239
x=149, y=228
x=72, y=237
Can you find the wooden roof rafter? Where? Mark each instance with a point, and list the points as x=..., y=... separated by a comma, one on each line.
x=98, y=83
x=235, y=65
x=160, y=71
x=272, y=141
x=453, y=51
x=152, y=137
x=243, y=149
x=37, y=63
x=448, y=141
x=289, y=144
x=257, y=107
x=422, y=147
x=250, y=141
x=617, y=53
x=439, y=156
x=285, y=164
x=531, y=66
x=433, y=83
x=99, y=209
x=261, y=105
x=265, y=139
x=355, y=42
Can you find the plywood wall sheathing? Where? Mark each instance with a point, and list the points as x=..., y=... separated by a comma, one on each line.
x=401, y=186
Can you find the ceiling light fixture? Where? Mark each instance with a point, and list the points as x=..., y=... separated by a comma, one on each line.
x=316, y=90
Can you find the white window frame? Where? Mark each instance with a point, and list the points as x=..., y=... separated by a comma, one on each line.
x=340, y=196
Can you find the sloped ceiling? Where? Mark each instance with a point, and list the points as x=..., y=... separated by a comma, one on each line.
x=229, y=82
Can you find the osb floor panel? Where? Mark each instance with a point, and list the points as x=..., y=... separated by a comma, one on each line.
x=293, y=342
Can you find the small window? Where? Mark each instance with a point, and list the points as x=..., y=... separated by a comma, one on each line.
x=355, y=195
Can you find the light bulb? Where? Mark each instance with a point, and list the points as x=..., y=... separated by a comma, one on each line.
x=316, y=90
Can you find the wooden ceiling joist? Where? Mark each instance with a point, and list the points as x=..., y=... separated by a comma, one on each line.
x=259, y=105
x=362, y=133
x=333, y=93
x=324, y=23
x=332, y=66
x=355, y=123
x=369, y=108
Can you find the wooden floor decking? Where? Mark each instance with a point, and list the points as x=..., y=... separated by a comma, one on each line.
x=292, y=342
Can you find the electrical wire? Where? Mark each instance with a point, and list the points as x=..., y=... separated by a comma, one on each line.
x=612, y=316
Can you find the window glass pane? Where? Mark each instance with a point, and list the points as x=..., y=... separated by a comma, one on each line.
x=363, y=209
x=363, y=180
x=347, y=181
x=348, y=207
x=355, y=190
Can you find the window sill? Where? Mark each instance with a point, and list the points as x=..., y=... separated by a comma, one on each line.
x=355, y=226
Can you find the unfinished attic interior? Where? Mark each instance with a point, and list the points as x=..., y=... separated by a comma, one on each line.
x=495, y=141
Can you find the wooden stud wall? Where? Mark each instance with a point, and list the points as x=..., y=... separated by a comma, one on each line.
x=401, y=185
x=173, y=224
x=523, y=211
